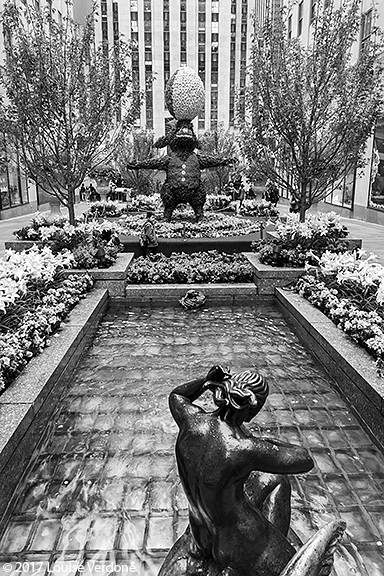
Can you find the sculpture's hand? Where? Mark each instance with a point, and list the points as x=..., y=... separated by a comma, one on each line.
x=217, y=374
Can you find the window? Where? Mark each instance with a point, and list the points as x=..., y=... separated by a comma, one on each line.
x=366, y=29
x=290, y=27
x=12, y=190
x=312, y=13
x=376, y=199
x=300, y=20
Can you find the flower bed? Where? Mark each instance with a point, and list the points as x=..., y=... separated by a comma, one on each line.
x=142, y=203
x=261, y=209
x=34, y=299
x=299, y=242
x=350, y=291
x=200, y=267
x=92, y=244
x=213, y=226
x=108, y=209
x=216, y=202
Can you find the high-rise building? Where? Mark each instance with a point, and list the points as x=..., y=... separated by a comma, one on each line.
x=211, y=36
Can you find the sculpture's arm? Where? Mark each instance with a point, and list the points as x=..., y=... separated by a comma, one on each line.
x=273, y=456
x=182, y=397
x=160, y=163
x=213, y=160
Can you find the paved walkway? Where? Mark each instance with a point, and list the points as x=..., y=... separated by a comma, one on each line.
x=7, y=227
x=372, y=235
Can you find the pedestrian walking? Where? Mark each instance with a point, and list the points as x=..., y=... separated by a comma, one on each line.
x=148, y=237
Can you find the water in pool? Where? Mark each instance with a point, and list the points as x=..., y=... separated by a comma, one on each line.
x=102, y=492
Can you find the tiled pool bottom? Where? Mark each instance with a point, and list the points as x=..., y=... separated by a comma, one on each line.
x=103, y=492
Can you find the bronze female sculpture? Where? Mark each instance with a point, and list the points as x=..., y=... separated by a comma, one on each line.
x=233, y=531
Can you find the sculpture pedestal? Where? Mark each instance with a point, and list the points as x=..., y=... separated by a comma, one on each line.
x=55, y=210
x=180, y=563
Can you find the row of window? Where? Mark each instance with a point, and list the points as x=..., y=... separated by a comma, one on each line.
x=13, y=187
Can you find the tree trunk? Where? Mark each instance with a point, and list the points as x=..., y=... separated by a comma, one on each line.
x=71, y=205
x=303, y=201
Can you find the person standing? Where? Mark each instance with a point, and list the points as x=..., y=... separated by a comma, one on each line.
x=148, y=237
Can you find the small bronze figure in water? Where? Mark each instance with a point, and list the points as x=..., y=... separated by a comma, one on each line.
x=237, y=523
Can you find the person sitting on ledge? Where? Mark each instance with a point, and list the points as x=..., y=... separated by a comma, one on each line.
x=236, y=521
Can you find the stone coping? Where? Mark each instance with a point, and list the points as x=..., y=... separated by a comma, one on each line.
x=118, y=270
x=158, y=294
x=351, y=367
x=227, y=244
x=21, y=245
x=267, y=278
x=112, y=278
x=28, y=403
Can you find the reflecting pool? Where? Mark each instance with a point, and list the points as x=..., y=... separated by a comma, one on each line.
x=102, y=494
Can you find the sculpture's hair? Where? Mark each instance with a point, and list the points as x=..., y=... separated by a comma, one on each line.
x=243, y=391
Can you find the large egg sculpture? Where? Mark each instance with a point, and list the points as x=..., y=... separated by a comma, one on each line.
x=184, y=94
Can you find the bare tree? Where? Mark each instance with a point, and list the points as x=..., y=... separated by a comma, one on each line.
x=310, y=110
x=64, y=94
x=137, y=146
x=224, y=143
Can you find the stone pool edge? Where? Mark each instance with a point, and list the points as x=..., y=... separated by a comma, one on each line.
x=350, y=366
x=169, y=294
x=28, y=403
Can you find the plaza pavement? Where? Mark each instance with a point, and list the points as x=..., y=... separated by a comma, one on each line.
x=372, y=235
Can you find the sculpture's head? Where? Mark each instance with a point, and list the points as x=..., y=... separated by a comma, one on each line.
x=181, y=136
x=241, y=396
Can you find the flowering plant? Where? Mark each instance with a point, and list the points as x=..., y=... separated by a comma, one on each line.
x=349, y=289
x=213, y=225
x=299, y=242
x=84, y=239
x=34, y=298
x=143, y=203
x=217, y=202
x=200, y=267
x=261, y=209
x=19, y=269
x=105, y=209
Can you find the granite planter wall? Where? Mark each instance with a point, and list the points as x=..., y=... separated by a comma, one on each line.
x=229, y=245
x=27, y=405
x=112, y=278
x=267, y=278
x=168, y=294
x=21, y=245
x=352, y=368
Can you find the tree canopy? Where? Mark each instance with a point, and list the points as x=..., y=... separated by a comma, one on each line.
x=136, y=146
x=310, y=109
x=223, y=142
x=64, y=94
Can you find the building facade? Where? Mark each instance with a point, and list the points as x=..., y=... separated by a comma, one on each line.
x=211, y=36
x=18, y=194
x=361, y=194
